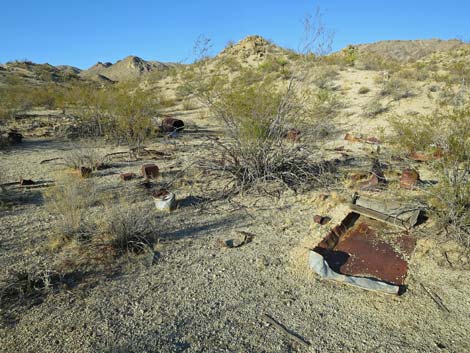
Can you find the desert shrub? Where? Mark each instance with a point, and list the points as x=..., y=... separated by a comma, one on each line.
x=255, y=120
x=371, y=61
x=324, y=76
x=397, y=89
x=324, y=104
x=130, y=228
x=364, y=90
x=86, y=154
x=69, y=200
x=374, y=107
x=445, y=135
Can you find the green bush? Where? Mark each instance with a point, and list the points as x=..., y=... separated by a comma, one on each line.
x=445, y=135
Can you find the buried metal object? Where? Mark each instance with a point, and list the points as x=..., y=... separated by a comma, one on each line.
x=363, y=251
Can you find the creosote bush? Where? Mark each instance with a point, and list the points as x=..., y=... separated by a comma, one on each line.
x=445, y=135
x=255, y=119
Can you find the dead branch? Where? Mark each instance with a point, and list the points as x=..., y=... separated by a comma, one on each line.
x=289, y=334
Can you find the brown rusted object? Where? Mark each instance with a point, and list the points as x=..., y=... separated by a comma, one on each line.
x=150, y=171
x=322, y=220
x=128, y=176
x=26, y=182
x=323, y=197
x=160, y=193
x=351, y=138
x=372, y=140
x=172, y=125
x=409, y=179
x=85, y=172
x=293, y=135
x=426, y=157
x=353, y=248
x=14, y=137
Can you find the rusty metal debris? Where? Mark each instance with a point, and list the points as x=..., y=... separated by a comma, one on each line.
x=391, y=212
x=172, y=125
x=236, y=243
x=322, y=220
x=150, y=171
x=426, y=157
x=364, y=251
x=128, y=176
x=293, y=135
x=370, y=139
x=14, y=137
x=85, y=172
x=409, y=179
x=372, y=181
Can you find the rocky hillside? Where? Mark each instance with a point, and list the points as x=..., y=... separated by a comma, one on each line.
x=131, y=67
x=409, y=50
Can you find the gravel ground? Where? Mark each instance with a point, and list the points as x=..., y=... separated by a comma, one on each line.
x=196, y=296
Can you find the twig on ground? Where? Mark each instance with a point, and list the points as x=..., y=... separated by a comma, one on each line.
x=285, y=331
x=435, y=298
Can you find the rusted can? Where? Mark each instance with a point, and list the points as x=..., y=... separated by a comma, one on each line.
x=172, y=125
x=128, y=176
x=150, y=171
x=409, y=179
x=164, y=200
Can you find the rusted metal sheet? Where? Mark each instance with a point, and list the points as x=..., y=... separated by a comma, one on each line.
x=172, y=125
x=355, y=248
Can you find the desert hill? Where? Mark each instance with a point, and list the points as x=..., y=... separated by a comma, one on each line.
x=131, y=67
x=409, y=50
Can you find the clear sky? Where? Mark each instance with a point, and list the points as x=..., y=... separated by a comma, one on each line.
x=80, y=33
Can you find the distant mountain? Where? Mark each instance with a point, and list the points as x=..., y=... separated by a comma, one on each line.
x=409, y=50
x=131, y=67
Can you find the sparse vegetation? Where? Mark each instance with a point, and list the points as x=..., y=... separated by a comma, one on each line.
x=446, y=136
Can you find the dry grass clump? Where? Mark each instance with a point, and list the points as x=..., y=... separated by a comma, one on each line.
x=70, y=200
x=444, y=135
x=374, y=107
x=130, y=229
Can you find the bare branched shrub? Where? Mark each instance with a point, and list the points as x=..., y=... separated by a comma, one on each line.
x=444, y=135
x=85, y=154
x=255, y=120
x=130, y=228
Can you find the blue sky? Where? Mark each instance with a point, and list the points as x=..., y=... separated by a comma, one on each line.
x=80, y=33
